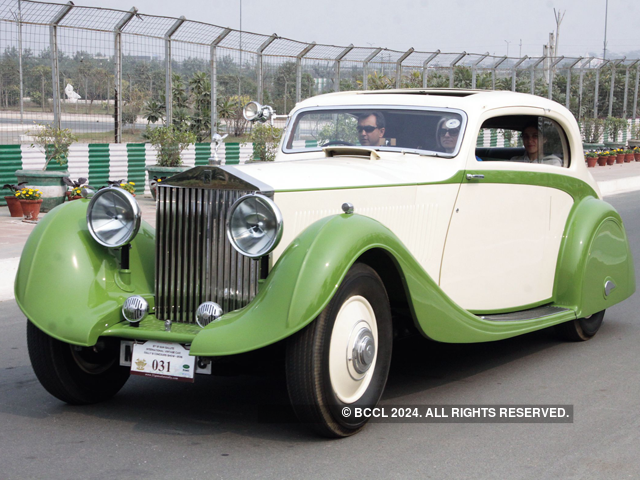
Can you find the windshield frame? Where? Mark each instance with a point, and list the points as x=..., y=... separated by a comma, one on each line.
x=293, y=122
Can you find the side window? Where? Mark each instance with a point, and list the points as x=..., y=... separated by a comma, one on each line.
x=523, y=138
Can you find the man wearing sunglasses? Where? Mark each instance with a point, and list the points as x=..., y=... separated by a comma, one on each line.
x=371, y=128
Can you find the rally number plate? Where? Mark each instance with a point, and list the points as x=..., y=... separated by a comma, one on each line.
x=162, y=360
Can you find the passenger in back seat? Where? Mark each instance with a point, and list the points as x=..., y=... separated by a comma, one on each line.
x=533, y=153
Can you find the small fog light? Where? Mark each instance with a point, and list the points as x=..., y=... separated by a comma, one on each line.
x=208, y=312
x=134, y=310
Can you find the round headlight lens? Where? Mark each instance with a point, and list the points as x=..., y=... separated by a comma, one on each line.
x=254, y=225
x=251, y=110
x=113, y=217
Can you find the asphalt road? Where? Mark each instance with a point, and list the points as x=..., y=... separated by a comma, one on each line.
x=212, y=429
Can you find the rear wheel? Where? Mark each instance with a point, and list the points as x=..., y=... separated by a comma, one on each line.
x=341, y=360
x=76, y=375
x=581, y=329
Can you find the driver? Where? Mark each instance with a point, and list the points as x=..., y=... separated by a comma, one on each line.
x=371, y=128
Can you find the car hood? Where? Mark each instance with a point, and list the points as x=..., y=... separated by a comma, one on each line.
x=345, y=172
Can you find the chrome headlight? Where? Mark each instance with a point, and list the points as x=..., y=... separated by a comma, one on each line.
x=254, y=225
x=113, y=217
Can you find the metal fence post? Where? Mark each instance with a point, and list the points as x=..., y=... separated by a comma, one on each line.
x=213, y=65
x=19, y=21
x=584, y=64
x=493, y=71
x=635, y=93
x=614, y=64
x=626, y=88
x=262, y=48
x=299, y=58
x=337, y=66
x=474, y=72
x=515, y=72
x=596, y=88
x=452, y=66
x=425, y=68
x=568, y=92
x=168, y=89
x=552, y=69
x=365, y=68
x=533, y=73
x=55, y=74
x=117, y=53
x=399, y=66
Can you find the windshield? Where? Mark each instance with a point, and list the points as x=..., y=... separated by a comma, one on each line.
x=429, y=131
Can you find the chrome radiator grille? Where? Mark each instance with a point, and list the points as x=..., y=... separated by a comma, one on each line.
x=194, y=260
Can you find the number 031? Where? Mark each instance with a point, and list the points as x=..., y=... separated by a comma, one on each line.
x=161, y=366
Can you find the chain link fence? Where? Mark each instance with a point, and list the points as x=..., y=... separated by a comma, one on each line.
x=108, y=74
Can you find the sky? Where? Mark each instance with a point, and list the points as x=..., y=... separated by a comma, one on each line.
x=516, y=27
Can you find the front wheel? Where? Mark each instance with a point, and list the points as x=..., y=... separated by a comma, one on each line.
x=341, y=361
x=76, y=375
x=581, y=329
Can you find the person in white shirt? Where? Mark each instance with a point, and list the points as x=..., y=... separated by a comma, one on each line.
x=534, y=154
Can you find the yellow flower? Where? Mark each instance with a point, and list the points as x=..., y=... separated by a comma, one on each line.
x=159, y=180
x=132, y=183
x=122, y=184
x=17, y=194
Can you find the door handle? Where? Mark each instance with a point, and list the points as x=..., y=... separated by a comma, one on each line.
x=474, y=176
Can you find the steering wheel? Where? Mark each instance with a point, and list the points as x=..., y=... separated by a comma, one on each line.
x=338, y=142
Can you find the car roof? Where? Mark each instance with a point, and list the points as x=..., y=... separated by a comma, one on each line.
x=468, y=100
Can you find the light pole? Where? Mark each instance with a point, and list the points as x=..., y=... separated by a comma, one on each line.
x=606, y=13
x=240, y=66
x=507, y=42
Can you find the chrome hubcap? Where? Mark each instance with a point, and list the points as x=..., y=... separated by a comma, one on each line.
x=364, y=351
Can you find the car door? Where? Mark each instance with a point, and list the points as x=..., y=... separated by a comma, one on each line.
x=505, y=232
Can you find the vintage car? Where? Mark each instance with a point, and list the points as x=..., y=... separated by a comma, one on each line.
x=465, y=216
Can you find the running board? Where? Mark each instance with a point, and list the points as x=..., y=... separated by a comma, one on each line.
x=531, y=314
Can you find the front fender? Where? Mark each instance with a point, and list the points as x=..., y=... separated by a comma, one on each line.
x=71, y=287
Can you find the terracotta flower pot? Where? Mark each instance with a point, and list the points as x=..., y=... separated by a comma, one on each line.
x=637, y=155
x=74, y=197
x=610, y=159
x=620, y=158
x=602, y=160
x=591, y=161
x=31, y=209
x=15, y=210
x=628, y=157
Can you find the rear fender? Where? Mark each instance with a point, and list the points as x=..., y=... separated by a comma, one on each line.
x=595, y=250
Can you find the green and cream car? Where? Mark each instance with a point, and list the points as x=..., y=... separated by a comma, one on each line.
x=467, y=216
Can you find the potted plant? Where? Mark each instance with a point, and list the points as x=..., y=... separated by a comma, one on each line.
x=169, y=142
x=634, y=141
x=30, y=201
x=154, y=183
x=592, y=158
x=15, y=210
x=54, y=143
x=614, y=126
x=619, y=155
x=75, y=186
x=123, y=184
x=603, y=159
x=628, y=156
x=636, y=153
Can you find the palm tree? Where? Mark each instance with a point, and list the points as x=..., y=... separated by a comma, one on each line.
x=153, y=111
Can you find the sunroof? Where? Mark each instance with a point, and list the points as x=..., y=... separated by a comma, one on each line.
x=420, y=91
